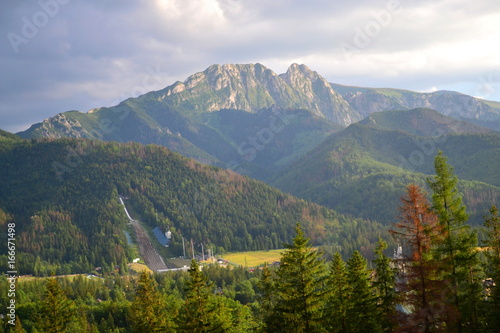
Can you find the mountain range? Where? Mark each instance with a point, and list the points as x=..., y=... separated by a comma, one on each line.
x=296, y=131
x=226, y=112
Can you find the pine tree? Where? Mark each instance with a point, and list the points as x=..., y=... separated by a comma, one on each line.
x=363, y=314
x=492, y=224
x=57, y=311
x=201, y=311
x=148, y=311
x=420, y=285
x=339, y=293
x=300, y=287
x=458, y=251
x=385, y=285
x=267, y=298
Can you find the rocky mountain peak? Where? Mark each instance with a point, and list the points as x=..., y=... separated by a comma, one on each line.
x=58, y=126
x=253, y=87
x=296, y=70
x=319, y=95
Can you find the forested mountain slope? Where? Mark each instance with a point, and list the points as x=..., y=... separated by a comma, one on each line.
x=422, y=122
x=4, y=136
x=361, y=169
x=63, y=197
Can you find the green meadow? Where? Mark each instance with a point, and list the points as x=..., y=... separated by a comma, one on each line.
x=253, y=258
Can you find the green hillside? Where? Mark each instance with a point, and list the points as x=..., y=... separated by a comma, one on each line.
x=266, y=141
x=63, y=197
x=4, y=136
x=220, y=138
x=422, y=122
x=361, y=169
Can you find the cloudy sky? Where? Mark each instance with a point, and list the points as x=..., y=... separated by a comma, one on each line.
x=59, y=55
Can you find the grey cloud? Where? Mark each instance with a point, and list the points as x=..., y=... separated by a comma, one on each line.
x=95, y=51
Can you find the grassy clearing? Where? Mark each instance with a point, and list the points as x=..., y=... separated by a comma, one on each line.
x=137, y=268
x=70, y=277
x=253, y=258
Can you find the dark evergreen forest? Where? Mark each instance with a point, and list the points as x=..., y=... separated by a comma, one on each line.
x=63, y=195
x=62, y=198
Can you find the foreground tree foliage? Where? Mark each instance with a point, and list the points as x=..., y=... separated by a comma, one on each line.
x=339, y=292
x=201, y=311
x=363, y=314
x=57, y=312
x=433, y=287
x=349, y=297
x=300, y=288
x=457, y=253
x=267, y=299
x=420, y=284
x=385, y=287
x=149, y=311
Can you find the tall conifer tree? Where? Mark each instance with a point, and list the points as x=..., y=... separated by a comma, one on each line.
x=420, y=284
x=201, y=312
x=363, y=315
x=267, y=298
x=58, y=312
x=148, y=312
x=300, y=288
x=385, y=285
x=457, y=252
x=339, y=294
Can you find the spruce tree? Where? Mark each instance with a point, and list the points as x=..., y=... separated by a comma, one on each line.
x=492, y=224
x=385, y=286
x=300, y=287
x=457, y=252
x=267, y=298
x=363, y=315
x=201, y=311
x=57, y=312
x=339, y=294
x=148, y=311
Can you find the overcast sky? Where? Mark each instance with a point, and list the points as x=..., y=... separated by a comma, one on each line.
x=59, y=55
